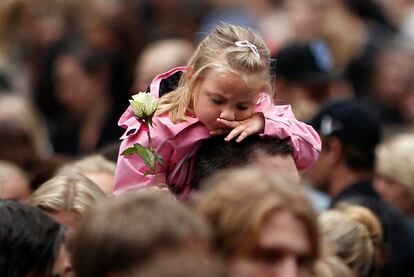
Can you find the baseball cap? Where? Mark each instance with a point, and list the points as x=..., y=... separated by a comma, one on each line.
x=351, y=122
x=309, y=62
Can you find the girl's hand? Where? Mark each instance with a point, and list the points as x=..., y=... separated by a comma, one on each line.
x=241, y=129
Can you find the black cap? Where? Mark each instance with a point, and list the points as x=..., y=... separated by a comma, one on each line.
x=310, y=62
x=351, y=122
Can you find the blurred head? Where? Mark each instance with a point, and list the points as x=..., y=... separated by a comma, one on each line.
x=349, y=133
x=179, y=264
x=305, y=85
x=100, y=170
x=216, y=154
x=352, y=233
x=140, y=226
x=23, y=133
x=219, y=63
x=262, y=222
x=67, y=198
x=14, y=183
x=31, y=243
x=332, y=266
x=395, y=172
x=174, y=52
x=82, y=78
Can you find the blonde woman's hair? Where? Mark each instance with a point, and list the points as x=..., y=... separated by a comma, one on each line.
x=72, y=192
x=238, y=201
x=94, y=163
x=218, y=52
x=395, y=160
x=333, y=266
x=353, y=233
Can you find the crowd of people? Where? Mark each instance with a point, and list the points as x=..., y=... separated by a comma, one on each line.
x=281, y=141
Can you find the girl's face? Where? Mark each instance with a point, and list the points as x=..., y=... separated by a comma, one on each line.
x=223, y=95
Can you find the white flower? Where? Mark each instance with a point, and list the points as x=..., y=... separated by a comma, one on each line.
x=144, y=105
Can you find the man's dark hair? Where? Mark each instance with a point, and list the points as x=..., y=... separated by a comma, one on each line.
x=29, y=240
x=216, y=154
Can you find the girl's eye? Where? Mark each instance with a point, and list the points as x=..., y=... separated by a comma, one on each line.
x=242, y=108
x=217, y=101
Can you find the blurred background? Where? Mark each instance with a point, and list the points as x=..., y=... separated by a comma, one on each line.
x=67, y=67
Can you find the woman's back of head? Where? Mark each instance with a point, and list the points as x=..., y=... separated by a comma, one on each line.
x=72, y=192
x=352, y=232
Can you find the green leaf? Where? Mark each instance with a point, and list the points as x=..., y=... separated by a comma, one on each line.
x=146, y=154
x=129, y=151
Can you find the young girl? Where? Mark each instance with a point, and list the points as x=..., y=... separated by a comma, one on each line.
x=223, y=90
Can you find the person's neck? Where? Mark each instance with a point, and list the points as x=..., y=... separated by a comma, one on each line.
x=346, y=177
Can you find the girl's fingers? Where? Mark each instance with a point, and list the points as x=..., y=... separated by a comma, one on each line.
x=235, y=132
x=230, y=124
x=246, y=132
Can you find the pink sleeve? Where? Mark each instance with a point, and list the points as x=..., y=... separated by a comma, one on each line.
x=130, y=170
x=281, y=122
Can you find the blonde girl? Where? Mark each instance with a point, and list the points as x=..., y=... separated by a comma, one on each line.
x=224, y=89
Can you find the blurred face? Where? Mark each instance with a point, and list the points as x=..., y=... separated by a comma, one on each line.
x=62, y=266
x=76, y=90
x=319, y=174
x=283, y=250
x=16, y=188
x=223, y=95
x=394, y=194
x=305, y=17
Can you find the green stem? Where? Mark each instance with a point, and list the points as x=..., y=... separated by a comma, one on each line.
x=153, y=151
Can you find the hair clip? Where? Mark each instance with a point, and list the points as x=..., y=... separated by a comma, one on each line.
x=246, y=43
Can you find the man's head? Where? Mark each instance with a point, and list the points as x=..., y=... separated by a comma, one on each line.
x=217, y=154
x=263, y=224
x=349, y=134
x=304, y=72
x=31, y=242
x=140, y=226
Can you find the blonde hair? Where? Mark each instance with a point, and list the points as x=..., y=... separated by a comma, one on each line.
x=93, y=163
x=395, y=160
x=238, y=201
x=333, y=266
x=353, y=233
x=219, y=52
x=72, y=192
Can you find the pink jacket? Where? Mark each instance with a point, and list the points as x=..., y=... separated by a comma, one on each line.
x=178, y=143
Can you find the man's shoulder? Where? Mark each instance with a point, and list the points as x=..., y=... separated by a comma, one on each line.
x=359, y=190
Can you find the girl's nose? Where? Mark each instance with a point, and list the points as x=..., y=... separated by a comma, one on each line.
x=227, y=114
